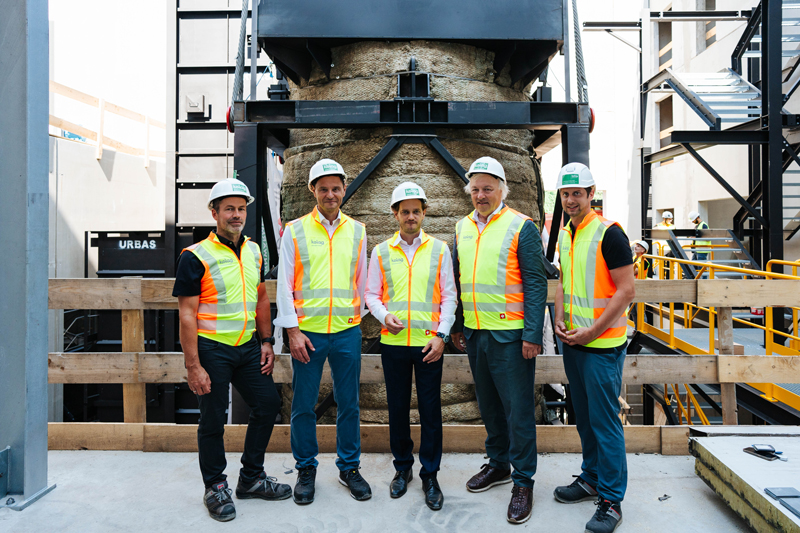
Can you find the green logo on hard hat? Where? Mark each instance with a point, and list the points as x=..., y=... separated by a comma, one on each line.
x=571, y=179
x=412, y=192
x=329, y=166
x=238, y=187
x=481, y=166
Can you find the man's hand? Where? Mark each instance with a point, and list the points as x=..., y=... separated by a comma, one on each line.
x=561, y=330
x=299, y=345
x=459, y=341
x=199, y=382
x=433, y=349
x=393, y=324
x=267, y=358
x=530, y=350
x=580, y=337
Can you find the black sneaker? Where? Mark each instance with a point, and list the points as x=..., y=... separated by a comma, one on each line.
x=219, y=503
x=607, y=517
x=359, y=488
x=265, y=487
x=304, y=488
x=578, y=491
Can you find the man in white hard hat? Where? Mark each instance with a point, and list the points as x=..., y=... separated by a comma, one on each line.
x=226, y=337
x=665, y=250
x=321, y=277
x=641, y=264
x=699, y=225
x=412, y=293
x=497, y=259
x=594, y=290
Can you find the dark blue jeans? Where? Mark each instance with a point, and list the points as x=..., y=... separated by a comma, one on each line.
x=595, y=381
x=399, y=362
x=343, y=352
x=504, y=387
x=240, y=365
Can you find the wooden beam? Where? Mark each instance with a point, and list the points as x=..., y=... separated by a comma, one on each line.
x=134, y=397
x=374, y=438
x=666, y=291
x=727, y=390
x=748, y=293
x=120, y=293
x=758, y=369
x=674, y=440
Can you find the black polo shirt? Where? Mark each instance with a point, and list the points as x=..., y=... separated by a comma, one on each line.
x=190, y=271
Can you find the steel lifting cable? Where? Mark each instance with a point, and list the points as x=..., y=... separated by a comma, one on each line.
x=583, y=86
x=238, y=76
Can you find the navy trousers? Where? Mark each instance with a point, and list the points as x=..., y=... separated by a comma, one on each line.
x=399, y=362
x=595, y=381
x=240, y=365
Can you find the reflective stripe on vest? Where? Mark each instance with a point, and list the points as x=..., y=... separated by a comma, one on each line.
x=587, y=282
x=491, y=281
x=325, y=294
x=228, y=290
x=412, y=292
x=702, y=225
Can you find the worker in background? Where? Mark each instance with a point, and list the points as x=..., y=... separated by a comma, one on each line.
x=666, y=251
x=642, y=266
x=699, y=224
x=592, y=298
x=412, y=293
x=321, y=277
x=226, y=337
x=503, y=289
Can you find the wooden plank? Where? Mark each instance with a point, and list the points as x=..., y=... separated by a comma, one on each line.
x=759, y=369
x=666, y=291
x=100, y=128
x=120, y=293
x=93, y=367
x=748, y=293
x=166, y=367
x=674, y=440
x=74, y=94
x=642, y=369
x=738, y=349
x=727, y=391
x=96, y=436
x=134, y=397
x=73, y=128
x=374, y=438
x=124, y=112
x=121, y=147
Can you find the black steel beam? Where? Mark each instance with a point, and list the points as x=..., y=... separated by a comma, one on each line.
x=772, y=104
x=744, y=41
x=650, y=391
x=775, y=413
x=699, y=15
x=411, y=113
x=437, y=145
x=393, y=143
x=725, y=185
x=719, y=137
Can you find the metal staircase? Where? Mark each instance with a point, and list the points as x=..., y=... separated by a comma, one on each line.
x=726, y=249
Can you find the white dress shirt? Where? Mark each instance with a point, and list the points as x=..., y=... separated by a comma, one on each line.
x=374, y=291
x=287, y=316
x=482, y=225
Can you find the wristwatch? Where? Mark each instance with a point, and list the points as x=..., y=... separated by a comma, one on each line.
x=445, y=338
x=270, y=340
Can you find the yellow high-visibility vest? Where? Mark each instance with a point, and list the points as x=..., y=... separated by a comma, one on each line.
x=229, y=290
x=411, y=291
x=491, y=281
x=587, y=282
x=326, y=295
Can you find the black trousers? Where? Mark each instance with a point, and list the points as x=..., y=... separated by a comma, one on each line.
x=398, y=364
x=240, y=365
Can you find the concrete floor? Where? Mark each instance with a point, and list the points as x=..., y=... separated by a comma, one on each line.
x=135, y=491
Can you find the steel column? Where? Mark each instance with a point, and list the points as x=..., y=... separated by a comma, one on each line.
x=24, y=151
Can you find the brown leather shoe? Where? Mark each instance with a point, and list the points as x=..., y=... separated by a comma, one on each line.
x=521, y=506
x=487, y=478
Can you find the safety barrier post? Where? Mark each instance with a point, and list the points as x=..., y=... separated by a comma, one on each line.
x=727, y=390
x=134, y=401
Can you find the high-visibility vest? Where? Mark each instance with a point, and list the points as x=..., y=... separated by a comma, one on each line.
x=644, y=266
x=665, y=247
x=412, y=291
x=702, y=225
x=326, y=297
x=228, y=290
x=491, y=280
x=587, y=282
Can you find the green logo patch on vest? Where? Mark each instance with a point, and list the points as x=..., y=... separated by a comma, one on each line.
x=481, y=166
x=571, y=179
x=329, y=166
x=412, y=192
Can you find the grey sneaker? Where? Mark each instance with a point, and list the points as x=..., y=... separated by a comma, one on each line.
x=217, y=500
x=265, y=487
x=577, y=491
x=606, y=518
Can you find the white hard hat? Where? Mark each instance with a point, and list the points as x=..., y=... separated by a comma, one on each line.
x=666, y=214
x=487, y=165
x=693, y=215
x=408, y=191
x=575, y=175
x=229, y=187
x=643, y=245
x=325, y=167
